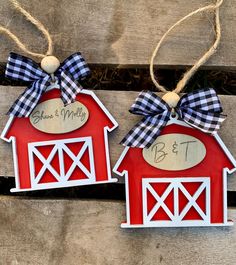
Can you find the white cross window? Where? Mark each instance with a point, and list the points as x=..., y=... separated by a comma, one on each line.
x=176, y=217
x=61, y=149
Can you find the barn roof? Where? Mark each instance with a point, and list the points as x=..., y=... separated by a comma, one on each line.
x=84, y=91
x=182, y=123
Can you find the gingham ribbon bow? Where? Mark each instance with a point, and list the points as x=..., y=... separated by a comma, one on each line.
x=74, y=68
x=200, y=109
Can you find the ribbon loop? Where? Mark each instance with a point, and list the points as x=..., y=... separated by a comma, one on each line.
x=203, y=99
x=23, y=68
x=19, y=67
x=76, y=66
x=148, y=103
x=200, y=109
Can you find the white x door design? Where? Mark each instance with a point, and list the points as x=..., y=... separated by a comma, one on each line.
x=62, y=176
x=177, y=215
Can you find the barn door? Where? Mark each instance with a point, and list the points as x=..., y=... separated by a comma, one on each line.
x=61, y=163
x=176, y=201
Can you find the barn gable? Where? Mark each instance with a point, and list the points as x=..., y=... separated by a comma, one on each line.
x=123, y=157
x=84, y=91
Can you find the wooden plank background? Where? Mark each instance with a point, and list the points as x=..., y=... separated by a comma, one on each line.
x=85, y=232
x=118, y=103
x=113, y=32
x=123, y=32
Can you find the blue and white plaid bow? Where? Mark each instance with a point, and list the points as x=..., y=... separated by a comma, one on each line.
x=74, y=68
x=200, y=109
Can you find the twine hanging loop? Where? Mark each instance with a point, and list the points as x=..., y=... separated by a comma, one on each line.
x=49, y=63
x=182, y=83
x=66, y=75
x=200, y=109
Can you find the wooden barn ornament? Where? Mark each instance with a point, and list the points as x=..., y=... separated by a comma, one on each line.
x=52, y=160
x=180, y=194
x=58, y=130
x=175, y=164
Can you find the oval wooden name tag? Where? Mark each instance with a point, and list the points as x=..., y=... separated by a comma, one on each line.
x=175, y=152
x=52, y=116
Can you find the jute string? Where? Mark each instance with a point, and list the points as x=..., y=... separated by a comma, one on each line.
x=38, y=25
x=181, y=84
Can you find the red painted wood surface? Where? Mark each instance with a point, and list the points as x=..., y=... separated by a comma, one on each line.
x=25, y=133
x=211, y=166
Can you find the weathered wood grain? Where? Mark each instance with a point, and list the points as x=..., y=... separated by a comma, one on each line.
x=54, y=232
x=118, y=103
x=123, y=32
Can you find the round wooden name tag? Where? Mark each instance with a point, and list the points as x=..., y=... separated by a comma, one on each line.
x=52, y=116
x=175, y=152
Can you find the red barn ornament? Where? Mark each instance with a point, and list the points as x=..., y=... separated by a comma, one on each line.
x=180, y=180
x=175, y=164
x=58, y=130
x=51, y=150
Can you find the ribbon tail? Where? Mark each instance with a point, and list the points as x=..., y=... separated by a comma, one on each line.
x=27, y=101
x=69, y=88
x=144, y=133
x=74, y=68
